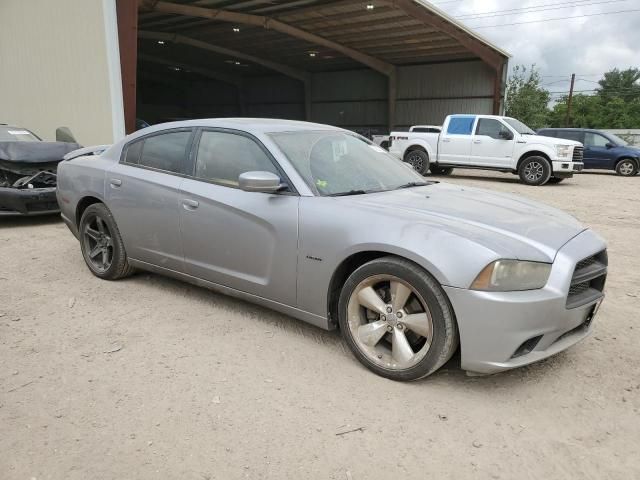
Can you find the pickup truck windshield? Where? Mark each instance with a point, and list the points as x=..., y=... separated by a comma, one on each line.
x=519, y=127
x=334, y=163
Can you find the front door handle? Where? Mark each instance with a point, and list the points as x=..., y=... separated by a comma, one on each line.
x=115, y=182
x=477, y=141
x=189, y=204
x=446, y=140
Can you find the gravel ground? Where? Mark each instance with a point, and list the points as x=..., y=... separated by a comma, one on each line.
x=152, y=378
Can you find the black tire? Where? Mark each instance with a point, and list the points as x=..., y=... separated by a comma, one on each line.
x=627, y=168
x=534, y=170
x=419, y=160
x=445, y=331
x=441, y=170
x=97, y=221
x=555, y=180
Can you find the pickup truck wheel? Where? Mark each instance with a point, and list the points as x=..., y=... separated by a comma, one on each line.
x=396, y=319
x=626, y=167
x=554, y=180
x=441, y=170
x=419, y=160
x=535, y=171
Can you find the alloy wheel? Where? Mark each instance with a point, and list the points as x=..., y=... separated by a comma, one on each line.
x=415, y=160
x=98, y=244
x=533, y=171
x=390, y=322
x=626, y=168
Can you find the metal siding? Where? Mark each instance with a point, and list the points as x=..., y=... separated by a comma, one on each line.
x=445, y=80
x=58, y=71
x=348, y=85
x=433, y=112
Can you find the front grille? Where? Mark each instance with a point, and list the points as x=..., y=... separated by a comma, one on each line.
x=578, y=154
x=588, y=280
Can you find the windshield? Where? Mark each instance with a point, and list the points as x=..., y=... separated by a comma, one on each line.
x=13, y=134
x=338, y=163
x=617, y=140
x=519, y=127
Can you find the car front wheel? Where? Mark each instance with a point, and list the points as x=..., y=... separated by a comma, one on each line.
x=101, y=244
x=535, y=171
x=396, y=319
x=626, y=168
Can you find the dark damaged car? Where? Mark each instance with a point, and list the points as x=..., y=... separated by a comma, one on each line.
x=28, y=168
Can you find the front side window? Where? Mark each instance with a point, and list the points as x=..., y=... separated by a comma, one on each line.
x=460, y=125
x=595, y=140
x=222, y=157
x=337, y=163
x=167, y=151
x=491, y=128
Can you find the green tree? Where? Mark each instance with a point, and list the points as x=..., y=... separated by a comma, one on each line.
x=622, y=84
x=526, y=99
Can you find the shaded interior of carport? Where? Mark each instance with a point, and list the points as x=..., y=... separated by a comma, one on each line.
x=370, y=66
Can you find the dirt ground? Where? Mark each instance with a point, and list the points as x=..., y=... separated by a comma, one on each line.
x=150, y=378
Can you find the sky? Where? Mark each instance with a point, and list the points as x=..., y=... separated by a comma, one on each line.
x=587, y=46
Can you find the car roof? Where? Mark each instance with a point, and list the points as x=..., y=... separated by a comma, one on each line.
x=256, y=125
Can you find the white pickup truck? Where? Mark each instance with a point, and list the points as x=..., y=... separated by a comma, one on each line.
x=489, y=142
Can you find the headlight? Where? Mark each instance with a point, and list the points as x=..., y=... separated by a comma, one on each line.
x=512, y=275
x=563, y=150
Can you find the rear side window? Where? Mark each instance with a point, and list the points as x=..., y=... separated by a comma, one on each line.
x=460, y=125
x=167, y=151
x=571, y=135
x=425, y=130
x=222, y=157
x=490, y=128
x=132, y=155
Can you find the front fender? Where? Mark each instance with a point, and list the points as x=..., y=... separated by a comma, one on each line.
x=536, y=147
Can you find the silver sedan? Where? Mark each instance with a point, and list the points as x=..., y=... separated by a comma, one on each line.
x=319, y=223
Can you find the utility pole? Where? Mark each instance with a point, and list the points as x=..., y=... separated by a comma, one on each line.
x=567, y=120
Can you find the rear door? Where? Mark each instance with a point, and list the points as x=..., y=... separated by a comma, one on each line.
x=454, y=145
x=244, y=240
x=596, y=153
x=489, y=148
x=143, y=193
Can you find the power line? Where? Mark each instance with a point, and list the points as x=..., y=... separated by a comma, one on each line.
x=557, y=18
x=535, y=8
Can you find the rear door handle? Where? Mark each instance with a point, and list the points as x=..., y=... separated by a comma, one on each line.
x=477, y=141
x=115, y=182
x=446, y=140
x=190, y=204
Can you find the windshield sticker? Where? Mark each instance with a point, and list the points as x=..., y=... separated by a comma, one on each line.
x=19, y=132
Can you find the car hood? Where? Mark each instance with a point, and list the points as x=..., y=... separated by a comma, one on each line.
x=541, y=139
x=510, y=225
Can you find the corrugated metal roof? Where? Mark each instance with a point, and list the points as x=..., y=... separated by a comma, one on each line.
x=393, y=31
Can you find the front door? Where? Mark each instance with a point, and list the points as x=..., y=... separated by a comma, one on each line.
x=489, y=147
x=596, y=152
x=143, y=194
x=244, y=240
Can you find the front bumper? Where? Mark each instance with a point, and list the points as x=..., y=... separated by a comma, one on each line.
x=566, y=168
x=496, y=326
x=34, y=201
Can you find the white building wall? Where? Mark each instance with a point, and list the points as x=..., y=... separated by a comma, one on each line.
x=60, y=66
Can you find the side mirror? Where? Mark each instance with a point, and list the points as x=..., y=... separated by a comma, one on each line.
x=265, y=182
x=506, y=134
x=610, y=145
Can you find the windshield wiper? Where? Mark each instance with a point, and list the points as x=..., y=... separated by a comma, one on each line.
x=413, y=184
x=350, y=192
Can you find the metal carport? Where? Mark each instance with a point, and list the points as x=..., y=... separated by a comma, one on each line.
x=364, y=65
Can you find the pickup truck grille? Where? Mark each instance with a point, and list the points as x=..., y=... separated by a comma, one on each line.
x=588, y=280
x=578, y=154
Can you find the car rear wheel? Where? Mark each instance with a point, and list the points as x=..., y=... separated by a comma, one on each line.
x=101, y=244
x=535, y=171
x=441, y=170
x=397, y=320
x=626, y=168
x=419, y=160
